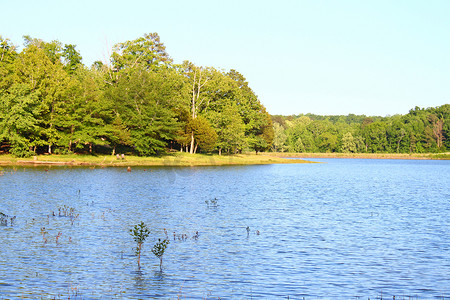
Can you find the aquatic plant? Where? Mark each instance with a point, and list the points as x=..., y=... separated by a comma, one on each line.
x=211, y=203
x=73, y=218
x=183, y=236
x=4, y=218
x=158, y=249
x=139, y=232
x=44, y=232
x=58, y=236
x=66, y=211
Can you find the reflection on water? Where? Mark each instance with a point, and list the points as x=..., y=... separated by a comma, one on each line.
x=342, y=229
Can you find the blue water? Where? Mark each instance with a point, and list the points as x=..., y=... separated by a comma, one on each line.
x=342, y=229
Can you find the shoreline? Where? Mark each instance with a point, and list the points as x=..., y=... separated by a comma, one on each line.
x=170, y=160
x=413, y=156
x=193, y=160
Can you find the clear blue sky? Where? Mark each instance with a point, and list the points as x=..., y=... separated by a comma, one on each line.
x=374, y=57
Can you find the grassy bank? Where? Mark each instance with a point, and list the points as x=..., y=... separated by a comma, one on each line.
x=363, y=155
x=175, y=159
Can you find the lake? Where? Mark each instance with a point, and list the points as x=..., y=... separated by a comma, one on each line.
x=340, y=229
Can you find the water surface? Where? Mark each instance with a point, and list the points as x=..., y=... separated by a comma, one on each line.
x=344, y=228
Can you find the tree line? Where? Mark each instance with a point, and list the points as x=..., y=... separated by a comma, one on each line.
x=140, y=101
x=421, y=130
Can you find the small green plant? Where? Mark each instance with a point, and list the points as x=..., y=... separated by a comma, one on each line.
x=139, y=232
x=158, y=249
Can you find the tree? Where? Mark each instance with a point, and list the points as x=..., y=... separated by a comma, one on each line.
x=8, y=55
x=53, y=50
x=258, y=123
x=35, y=74
x=144, y=101
x=197, y=78
x=204, y=135
x=280, y=137
x=229, y=127
x=18, y=120
x=375, y=137
x=348, y=143
x=72, y=58
x=84, y=117
x=147, y=51
x=438, y=129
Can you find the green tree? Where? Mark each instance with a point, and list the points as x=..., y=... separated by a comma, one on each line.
x=144, y=100
x=375, y=137
x=196, y=78
x=280, y=137
x=35, y=74
x=229, y=127
x=72, y=58
x=204, y=135
x=147, y=52
x=85, y=117
x=53, y=50
x=18, y=121
x=8, y=55
x=348, y=143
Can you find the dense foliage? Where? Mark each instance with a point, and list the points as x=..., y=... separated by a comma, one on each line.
x=138, y=102
x=141, y=102
x=421, y=130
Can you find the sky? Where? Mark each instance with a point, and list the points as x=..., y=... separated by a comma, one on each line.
x=335, y=57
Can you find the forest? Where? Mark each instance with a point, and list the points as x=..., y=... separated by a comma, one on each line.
x=419, y=131
x=141, y=102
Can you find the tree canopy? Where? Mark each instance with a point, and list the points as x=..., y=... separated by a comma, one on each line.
x=137, y=102
x=421, y=130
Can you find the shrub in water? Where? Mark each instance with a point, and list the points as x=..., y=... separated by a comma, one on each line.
x=158, y=250
x=139, y=232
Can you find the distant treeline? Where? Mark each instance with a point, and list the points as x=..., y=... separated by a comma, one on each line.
x=138, y=102
x=421, y=130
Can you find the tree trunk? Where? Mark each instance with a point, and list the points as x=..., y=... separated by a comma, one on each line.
x=49, y=148
x=438, y=131
x=72, y=129
x=192, y=143
x=220, y=151
x=398, y=144
x=139, y=255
